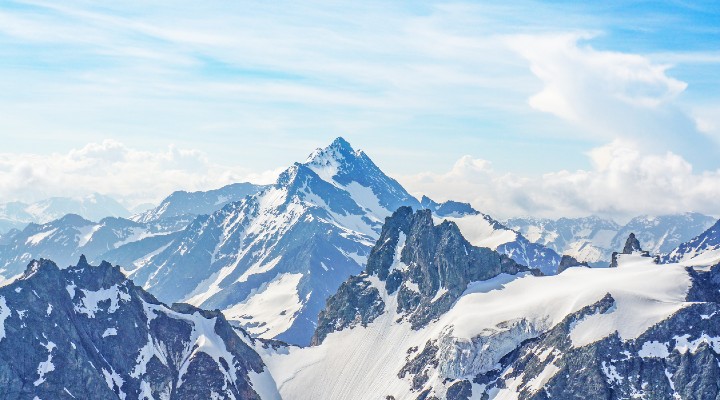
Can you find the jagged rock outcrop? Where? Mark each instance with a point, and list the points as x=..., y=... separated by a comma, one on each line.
x=88, y=332
x=428, y=265
x=632, y=246
x=676, y=358
x=569, y=261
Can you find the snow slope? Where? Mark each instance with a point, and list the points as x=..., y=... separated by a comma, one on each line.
x=491, y=319
x=319, y=220
x=116, y=239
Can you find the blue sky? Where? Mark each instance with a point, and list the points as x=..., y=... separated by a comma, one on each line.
x=532, y=88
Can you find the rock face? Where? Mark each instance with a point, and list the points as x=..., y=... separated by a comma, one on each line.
x=428, y=265
x=568, y=262
x=677, y=358
x=88, y=332
x=632, y=246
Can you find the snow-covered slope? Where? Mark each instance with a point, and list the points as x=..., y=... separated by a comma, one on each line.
x=182, y=204
x=86, y=332
x=593, y=239
x=700, y=250
x=93, y=207
x=271, y=260
x=483, y=231
x=64, y=240
x=434, y=316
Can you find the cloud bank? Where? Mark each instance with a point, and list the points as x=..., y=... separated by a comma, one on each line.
x=623, y=182
x=110, y=167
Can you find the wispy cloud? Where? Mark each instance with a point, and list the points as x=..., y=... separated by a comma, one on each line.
x=249, y=83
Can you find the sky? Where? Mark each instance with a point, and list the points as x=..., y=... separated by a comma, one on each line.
x=556, y=108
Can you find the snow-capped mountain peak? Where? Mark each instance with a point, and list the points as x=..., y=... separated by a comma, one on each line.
x=353, y=171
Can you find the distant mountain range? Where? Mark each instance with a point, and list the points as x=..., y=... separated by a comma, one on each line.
x=593, y=239
x=16, y=215
x=126, y=241
x=182, y=204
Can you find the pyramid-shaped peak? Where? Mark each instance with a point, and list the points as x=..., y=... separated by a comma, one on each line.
x=632, y=245
x=341, y=143
x=338, y=151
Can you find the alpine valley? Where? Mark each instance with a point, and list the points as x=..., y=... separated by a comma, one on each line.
x=336, y=283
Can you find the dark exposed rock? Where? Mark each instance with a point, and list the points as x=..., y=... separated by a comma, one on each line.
x=569, y=261
x=447, y=209
x=419, y=365
x=461, y=390
x=632, y=245
x=676, y=358
x=356, y=302
x=88, y=332
x=435, y=259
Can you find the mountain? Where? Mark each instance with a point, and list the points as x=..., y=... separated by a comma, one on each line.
x=182, y=204
x=484, y=231
x=271, y=260
x=88, y=332
x=592, y=239
x=433, y=317
x=428, y=266
x=700, y=250
x=661, y=234
x=587, y=239
x=93, y=207
x=65, y=239
x=122, y=241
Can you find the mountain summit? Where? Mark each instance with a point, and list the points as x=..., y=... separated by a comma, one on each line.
x=271, y=259
x=269, y=256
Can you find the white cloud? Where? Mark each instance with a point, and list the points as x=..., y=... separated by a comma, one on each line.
x=599, y=90
x=133, y=176
x=609, y=95
x=624, y=181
